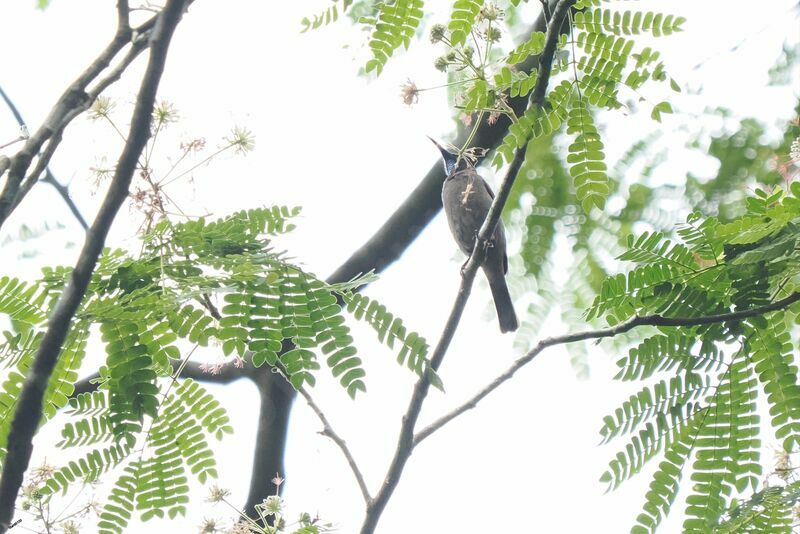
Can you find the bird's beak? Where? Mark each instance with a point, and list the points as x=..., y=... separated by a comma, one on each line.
x=440, y=147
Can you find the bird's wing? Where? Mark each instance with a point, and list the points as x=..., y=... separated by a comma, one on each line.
x=488, y=189
x=499, y=224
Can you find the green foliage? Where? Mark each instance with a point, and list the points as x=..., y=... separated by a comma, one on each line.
x=768, y=510
x=706, y=410
x=395, y=26
x=744, y=157
x=666, y=480
x=662, y=398
x=390, y=329
x=586, y=159
x=773, y=358
x=610, y=59
x=21, y=302
x=533, y=46
x=121, y=501
x=726, y=447
x=543, y=175
x=462, y=19
x=150, y=311
x=327, y=16
x=627, y=22
x=606, y=61
x=86, y=469
x=515, y=82
x=535, y=123
x=667, y=352
x=176, y=442
x=588, y=73
x=658, y=109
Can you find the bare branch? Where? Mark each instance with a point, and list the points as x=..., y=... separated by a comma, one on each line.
x=327, y=430
x=41, y=165
x=72, y=102
x=62, y=190
x=139, y=44
x=649, y=320
x=43, y=160
x=29, y=405
x=405, y=442
x=123, y=14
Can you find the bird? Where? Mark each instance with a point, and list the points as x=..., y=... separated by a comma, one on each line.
x=466, y=198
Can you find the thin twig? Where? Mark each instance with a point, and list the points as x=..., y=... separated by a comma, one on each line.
x=327, y=430
x=55, y=139
x=646, y=320
x=405, y=442
x=49, y=178
x=73, y=98
x=28, y=413
x=41, y=165
x=63, y=191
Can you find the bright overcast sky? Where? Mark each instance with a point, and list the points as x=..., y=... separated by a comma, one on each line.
x=347, y=150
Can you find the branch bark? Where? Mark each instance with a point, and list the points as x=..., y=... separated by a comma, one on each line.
x=327, y=430
x=29, y=406
x=425, y=201
x=380, y=251
x=72, y=102
x=649, y=320
x=62, y=190
x=276, y=398
x=405, y=442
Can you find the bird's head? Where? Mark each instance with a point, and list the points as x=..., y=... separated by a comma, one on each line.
x=450, y=160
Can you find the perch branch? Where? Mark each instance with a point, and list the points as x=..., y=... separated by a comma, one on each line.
x=646, y=320
x=405, y=442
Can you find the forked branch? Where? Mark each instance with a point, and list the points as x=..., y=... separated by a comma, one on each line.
x=645, y=320
x=405, y=442
x=28, y=412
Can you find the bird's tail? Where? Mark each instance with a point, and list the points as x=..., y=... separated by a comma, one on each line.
x=503, y=304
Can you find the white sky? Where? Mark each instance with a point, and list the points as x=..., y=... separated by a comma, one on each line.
x=527, y=458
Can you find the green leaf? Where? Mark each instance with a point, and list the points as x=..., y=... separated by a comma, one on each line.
x=658, y=109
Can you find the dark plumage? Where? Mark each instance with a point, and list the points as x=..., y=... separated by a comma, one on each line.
x=466, y=198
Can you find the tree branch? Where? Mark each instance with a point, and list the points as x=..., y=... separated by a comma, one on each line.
x=276, y=398
x=123, y=14
x=380, y=251
x=425, y=201
x=72, y=102
x=29, y=406
x=139, y=45
x=327, y=430
x=647, y=320
x=405, y=442
x=62, y=190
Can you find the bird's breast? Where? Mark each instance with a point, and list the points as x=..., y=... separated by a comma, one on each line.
x=466, y=204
